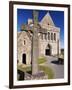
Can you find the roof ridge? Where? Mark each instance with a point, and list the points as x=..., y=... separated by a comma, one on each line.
x=47, y=19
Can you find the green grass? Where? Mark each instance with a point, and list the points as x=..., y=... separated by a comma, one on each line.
x=48, y=71
x=41, y=60
x=24, y=69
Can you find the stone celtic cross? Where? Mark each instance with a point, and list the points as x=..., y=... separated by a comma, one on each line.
x=35, y=49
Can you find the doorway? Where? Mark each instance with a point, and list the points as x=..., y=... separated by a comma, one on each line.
x=48, y=52
x=24, y=58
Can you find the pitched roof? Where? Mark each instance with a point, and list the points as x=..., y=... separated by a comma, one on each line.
x=47, y=20
x=23, y=33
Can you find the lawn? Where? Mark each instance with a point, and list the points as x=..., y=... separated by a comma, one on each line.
x=41, y=60
x=24, y=69
x=48, y=71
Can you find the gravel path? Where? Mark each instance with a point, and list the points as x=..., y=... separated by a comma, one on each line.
x=58, y=69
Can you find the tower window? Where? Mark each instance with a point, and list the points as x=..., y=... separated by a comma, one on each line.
x=24, y=42
x=51, y=36
x=48, y=23
x=54, y=36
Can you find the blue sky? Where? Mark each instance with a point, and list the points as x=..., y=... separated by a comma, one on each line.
x=57, y=16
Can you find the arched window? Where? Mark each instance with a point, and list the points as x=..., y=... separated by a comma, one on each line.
x=24, y=42
x=48, y=36
x=51, y=36
x=55, y=36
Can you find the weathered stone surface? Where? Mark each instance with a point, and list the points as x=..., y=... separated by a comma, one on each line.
x=23, y=47
x=35, y=51
x=39, y=76
x=35, y=45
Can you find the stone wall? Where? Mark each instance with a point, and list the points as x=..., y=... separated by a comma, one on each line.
x=24, y=47
x=43, y=44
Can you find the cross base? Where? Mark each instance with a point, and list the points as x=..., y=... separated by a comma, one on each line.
x=39, y=76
